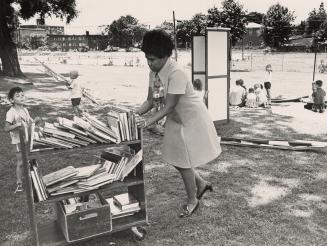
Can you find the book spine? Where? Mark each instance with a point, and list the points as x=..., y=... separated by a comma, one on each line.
x=36, y=187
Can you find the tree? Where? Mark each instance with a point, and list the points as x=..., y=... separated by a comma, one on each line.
x=278, y=25
x=315, y=19
x=231, y=16
x=27, y=9
x=125, y=32
x=187, y=29
x=299, y=29
x=255, y=17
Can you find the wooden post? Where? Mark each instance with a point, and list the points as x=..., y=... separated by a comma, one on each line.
x=175, y=41
x=314, y=64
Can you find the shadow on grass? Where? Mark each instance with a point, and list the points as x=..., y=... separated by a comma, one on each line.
x=262, y=124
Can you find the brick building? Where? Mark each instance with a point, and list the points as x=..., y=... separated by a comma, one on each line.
x=253, y=36
x=79, y=42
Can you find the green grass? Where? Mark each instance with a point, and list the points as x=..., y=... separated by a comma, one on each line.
x=261, y=196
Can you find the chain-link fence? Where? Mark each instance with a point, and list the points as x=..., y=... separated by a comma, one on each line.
x=280, y=61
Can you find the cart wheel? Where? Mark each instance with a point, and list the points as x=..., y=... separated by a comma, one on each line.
x=138, y=233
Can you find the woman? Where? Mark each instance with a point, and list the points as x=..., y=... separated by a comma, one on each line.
x=190, y=139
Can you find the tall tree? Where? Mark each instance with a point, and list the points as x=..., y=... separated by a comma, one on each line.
x=187, y=29
x=231, y=16
x=125, y=32
x=299, y=29
x=64, y=9
x=278, y=25
x=315, y=19
x=255, y=17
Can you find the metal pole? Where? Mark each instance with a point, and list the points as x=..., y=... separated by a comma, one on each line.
x=175, y=41
x=314, y=65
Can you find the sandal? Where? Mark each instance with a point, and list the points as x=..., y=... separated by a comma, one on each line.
x=207, y=187
x=19, y=188
x=187, y=212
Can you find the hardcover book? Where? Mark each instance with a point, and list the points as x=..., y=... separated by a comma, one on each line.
x=59, y=175
x=125, y=201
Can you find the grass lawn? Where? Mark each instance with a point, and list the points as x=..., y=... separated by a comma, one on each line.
x=261, y=196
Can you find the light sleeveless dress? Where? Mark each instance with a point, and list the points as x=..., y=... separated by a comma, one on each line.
x=190, y=138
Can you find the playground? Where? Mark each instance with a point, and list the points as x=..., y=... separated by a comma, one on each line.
x=261, y=196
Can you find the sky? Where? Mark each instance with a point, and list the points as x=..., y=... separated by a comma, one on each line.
x=153, y=12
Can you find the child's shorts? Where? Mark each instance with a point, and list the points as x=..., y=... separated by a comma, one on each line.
x=76, y=101
x=267, y=85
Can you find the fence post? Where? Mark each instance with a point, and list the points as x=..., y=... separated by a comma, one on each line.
x=251, y=62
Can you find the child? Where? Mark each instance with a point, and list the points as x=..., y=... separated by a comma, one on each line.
x=17, y=117
x=237, y=94
x=319, y=98
x=198, y=89
x=267, y=83
x=260, y=96
x=251, y=100
x=76, y=92
x=309, y=101
x=158, y=95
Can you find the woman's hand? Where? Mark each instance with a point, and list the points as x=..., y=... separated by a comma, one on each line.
x=140, y=121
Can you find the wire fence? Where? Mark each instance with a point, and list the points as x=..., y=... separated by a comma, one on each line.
x=280, y=61
x=254, y=60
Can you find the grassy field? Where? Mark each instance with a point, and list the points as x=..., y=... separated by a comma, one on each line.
x=261, y=196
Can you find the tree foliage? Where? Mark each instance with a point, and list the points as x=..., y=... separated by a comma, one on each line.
x=64, y=9
x=315, y=19
x=255, y=17
x=125, y=32
x=278, y=25
x=231, y=16
x=187, y=29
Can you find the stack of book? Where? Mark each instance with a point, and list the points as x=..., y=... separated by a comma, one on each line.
x=122, y=121
x=116, y=163
x=85, y=130
x=123, y=205
x=38, y=185
x=123, y=160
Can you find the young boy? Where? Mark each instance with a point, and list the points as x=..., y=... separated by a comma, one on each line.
x=251, y=99
x=198, y=89
x=17, y=117
x=267, y=82
x=319, y=98
x=76, y=92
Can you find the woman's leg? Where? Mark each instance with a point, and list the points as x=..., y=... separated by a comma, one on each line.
x=188, y=176
x=200, y=182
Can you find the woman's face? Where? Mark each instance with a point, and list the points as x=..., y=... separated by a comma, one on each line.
x=155, y=63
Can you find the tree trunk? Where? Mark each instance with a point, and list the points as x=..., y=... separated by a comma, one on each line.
x=8, y=52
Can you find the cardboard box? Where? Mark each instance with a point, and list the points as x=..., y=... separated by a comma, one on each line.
x=86, y=223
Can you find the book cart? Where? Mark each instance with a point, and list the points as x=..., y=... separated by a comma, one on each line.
x=50, y=232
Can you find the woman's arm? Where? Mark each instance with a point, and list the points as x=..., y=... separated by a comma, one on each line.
x=147, y=105
x=171, y=102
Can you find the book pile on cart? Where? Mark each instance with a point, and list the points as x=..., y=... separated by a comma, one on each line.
x=115, y=164
x=119, y=125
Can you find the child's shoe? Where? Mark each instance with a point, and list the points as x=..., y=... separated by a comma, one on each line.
x=19, y=188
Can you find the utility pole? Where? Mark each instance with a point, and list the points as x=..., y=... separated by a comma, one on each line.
x=175, y=41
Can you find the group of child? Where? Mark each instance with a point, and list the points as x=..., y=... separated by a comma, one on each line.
x=257, y=96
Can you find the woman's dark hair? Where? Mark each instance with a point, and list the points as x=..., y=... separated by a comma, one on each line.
x=157, y=42
x=13, y=91
x=197, y=84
